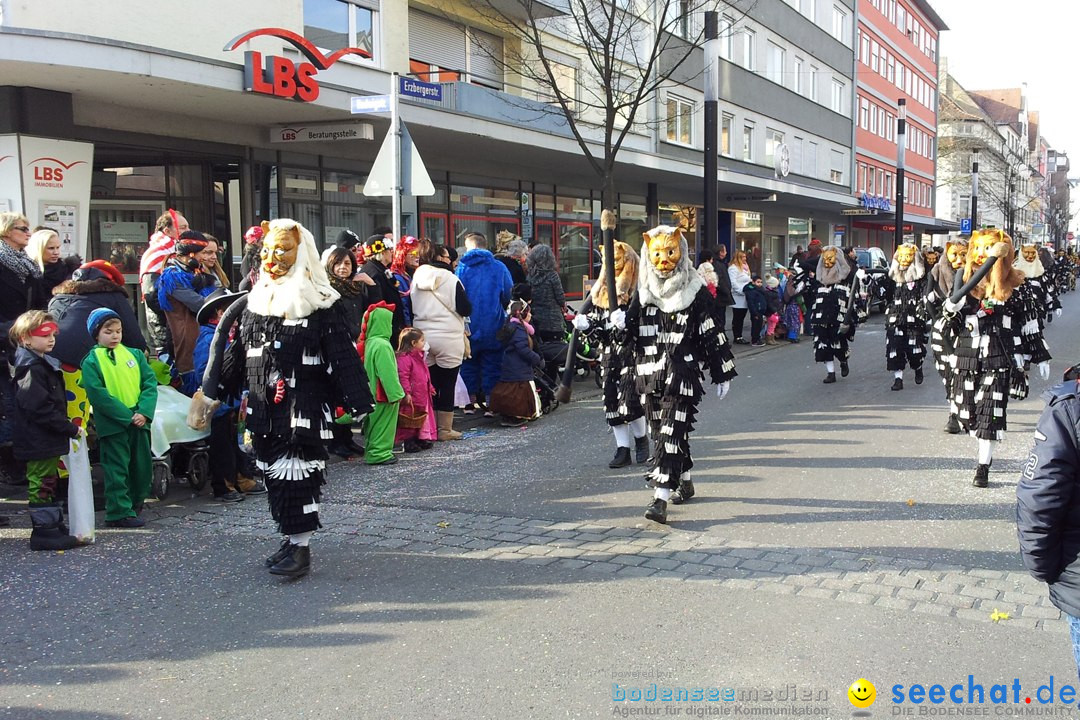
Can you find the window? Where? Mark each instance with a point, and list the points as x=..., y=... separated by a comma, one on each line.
x=748, y=142
x=336, y=24
x=900, y=69
x=797, y=79
x=890, y=127
x=485, y=59
x=680, y=120
x=836, y=167
x=813, y=83
x=840, y=29
x=725, y=134
x=873, y=119
x=837, y=100
x=773, y=138
x=861, y=187
x=567, y=84
x=864, y=49
x=864, y=113
x=809, y=9
x=774, y=63
x=811, y=159
x=796, y=154
x=890, y=73
x=442, y=51
x=874, y=50
x=727, y=30
x=678, y=15
x=748, y=49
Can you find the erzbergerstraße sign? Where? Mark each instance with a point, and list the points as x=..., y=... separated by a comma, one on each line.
x=421, y=90
x=279, y=76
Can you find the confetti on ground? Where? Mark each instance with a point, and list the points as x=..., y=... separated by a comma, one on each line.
x=442, y=524
x=910, y=503
x=998, y=616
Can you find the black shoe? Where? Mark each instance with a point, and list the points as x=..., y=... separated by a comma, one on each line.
x=128, y=522
x=354, y=446
x=412, y=446
x=758, y=343
x=844, y=369
x=830, y=378
x=425, y=444
x=280, y=555
x=740, y=341
x=621, y=459
x=918, y=376
x=389, y=461
x=684, y=492
x=897, y=384
x=296, y=563
x=641, y=449
x=952, y=425
x=49, y=532
x=230, y=497
x=657, y=511
x=342, y=450
x=982, y=476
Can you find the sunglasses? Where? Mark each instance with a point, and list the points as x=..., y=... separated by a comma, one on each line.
x=21, y=227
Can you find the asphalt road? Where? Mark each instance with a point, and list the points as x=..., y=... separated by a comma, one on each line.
x=181, y=620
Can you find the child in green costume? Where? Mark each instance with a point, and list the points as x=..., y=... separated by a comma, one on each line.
x=123, y=393
x=380, y=362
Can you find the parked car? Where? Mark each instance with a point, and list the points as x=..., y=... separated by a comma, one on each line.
x=876, y=264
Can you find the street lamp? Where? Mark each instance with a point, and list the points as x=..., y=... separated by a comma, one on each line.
x=708, y=225
x=901, y=145
x=975, y=191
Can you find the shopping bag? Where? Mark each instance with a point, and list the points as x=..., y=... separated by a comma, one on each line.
x=80, y=492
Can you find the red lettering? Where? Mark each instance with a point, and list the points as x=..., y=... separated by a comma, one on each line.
x=284, y=74
x=308, y=86
x=48, y=174
x=253, y=74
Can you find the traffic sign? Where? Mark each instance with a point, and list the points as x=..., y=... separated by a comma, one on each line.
x=369, y=104
x=421, y=90
x=415, y=180
x=965, y=226
x=1070, y=237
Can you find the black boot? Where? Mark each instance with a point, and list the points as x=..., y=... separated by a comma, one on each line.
x=46, y=534
x=621, y=459
x=897, y=384
x=12, y=471
x=830, y=378
x=641, y=449
x=340, y=449
x=296, y=563
x=918, y=376
x=982, y=476
x=844, y=369
x=280, y=555
x=684, y=492
x=952, y=425
x=412, y=445
x=657, y=511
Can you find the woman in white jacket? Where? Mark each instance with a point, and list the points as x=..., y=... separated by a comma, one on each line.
x=739, y=274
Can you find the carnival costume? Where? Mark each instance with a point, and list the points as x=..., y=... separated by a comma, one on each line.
x=295, y=356
x=989, y=345
x=832, y=318
x=623, y=409
x=939, y=286
x=906, y=316
x=674, y=325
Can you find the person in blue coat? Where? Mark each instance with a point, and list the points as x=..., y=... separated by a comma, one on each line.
x=1048, y=503
x=515, y=396
x=487, y=284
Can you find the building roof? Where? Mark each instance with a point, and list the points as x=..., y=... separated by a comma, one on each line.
x=924, y=7
x=1003, y=106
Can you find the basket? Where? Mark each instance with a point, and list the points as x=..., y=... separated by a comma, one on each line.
x=412, y=422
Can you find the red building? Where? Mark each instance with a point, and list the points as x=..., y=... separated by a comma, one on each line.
x=897, y=57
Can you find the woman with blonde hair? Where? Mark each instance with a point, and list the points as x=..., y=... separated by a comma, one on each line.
x=739, y=274
x=44, y=249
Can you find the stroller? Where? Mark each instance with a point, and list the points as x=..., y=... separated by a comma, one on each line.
x=177, y=449
x=545, y=389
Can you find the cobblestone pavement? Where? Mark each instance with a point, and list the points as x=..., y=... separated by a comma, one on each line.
x=918, y=586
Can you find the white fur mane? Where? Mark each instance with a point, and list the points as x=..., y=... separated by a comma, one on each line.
x=303, y=290
x=671, y=291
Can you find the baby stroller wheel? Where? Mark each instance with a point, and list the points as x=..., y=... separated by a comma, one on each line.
x=198, y=470
x=160, y=481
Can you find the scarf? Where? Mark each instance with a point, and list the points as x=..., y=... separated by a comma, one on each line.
x=18, y=262
x=522, y=323
x=347, y=288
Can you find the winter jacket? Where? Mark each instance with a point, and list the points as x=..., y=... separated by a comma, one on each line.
x=380, y=363
x=755, y=299
x=724, y=296
x=487, y=282
x=548, y=303
x=739, y=278
x=40, y=407
x=201, y=358
x=179, y=285
x=772, y=300
x=415, y=380
x=57, y=272
x=16, y=297
x=385, y=290
x=517, y=272
x=440, y=307
x=353, y=303
x=519, y=359
x=112, y=415
x=72, y=303
x=1048, y=499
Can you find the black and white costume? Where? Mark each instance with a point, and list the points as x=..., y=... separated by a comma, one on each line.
x=674, y=324
x=832, y=319
x=906, y=319
x=1030, y=309
x=939, y=285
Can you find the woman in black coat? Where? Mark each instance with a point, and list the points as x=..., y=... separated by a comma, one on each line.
x=96, y=284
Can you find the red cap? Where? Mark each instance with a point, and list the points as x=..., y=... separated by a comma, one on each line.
x=110, y=270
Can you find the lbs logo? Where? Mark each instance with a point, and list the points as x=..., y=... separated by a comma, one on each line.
x=49, y=172
x=281, y=77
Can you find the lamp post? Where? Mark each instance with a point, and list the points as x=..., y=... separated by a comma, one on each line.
x=707, y=224
x=1011, y=207
x=975, y=191
x=901, y=146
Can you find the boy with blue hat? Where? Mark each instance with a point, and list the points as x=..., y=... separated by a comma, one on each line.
x=122, y=390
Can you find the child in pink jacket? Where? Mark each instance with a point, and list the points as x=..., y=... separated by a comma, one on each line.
x=416, y=381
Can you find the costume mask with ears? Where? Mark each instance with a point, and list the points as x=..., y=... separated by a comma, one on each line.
x=626, y=277
x=1003, y=278
x=1029, y=252
x=931, y=256
x=665, y=250
x=957, y=254
x=828, y=257
x=279, y=250
x=905, y=255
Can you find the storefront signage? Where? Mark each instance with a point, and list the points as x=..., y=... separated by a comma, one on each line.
x=322, y=133
x=49, y=171
x=858, y=211
x=758, y=197
x=892, y=228
x=876, y=202
x=279, y=76
x=362, y=104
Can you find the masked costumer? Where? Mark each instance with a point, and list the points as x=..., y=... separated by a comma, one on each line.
x=905, y=316
x=295, y=355
x=674, y=326
x=622, y=401
x=939, y=286
x=985, y=325
x=832, y=319
x=1033, y=303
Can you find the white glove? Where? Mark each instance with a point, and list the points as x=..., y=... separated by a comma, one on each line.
x=581, y=323
x=722, y=389
x=1044, y=370
x=618, y=318
x=1057, y=313
x=952, y=307
x=1018, y=361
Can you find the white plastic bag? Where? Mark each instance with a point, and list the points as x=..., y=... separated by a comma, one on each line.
x=461, y=393
x=80, y=492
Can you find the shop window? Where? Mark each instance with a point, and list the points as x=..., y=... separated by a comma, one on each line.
x=335, y=24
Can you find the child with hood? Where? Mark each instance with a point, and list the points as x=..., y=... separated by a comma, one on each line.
x=416, y=382
x=515, y=396
x=380, y=363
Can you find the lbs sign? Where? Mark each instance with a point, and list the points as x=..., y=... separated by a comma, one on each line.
x=281, y=77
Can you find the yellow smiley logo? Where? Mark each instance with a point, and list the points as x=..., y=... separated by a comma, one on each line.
x=862, y=693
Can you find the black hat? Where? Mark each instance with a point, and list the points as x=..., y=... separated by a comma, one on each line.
x=191, y=241
x=219, y=299
x=347, y=239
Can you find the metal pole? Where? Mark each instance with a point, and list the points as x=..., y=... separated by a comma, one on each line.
x=901, y=146
x=707, y=224
x=1012, y=204
x=395, y=128
x=975, y=192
